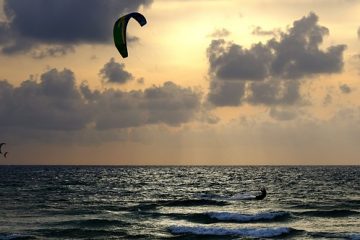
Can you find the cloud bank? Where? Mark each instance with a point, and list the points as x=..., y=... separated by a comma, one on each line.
x=61, y=23
x=55, y=103
x=271, y=73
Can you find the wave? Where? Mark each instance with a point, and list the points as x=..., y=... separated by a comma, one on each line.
x=193, y=202
x=329, y=213
x=79, y=233
x=237, y=217
x=243, y=232
x=348, y=236
x=92, y=223
x=15, y=236
x=331, y=204
x=239, y=196
x=215, y=217
x=71, y=211
x=129, y=208
x=145, y=206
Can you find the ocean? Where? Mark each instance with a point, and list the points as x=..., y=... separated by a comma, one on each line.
x=110, y=202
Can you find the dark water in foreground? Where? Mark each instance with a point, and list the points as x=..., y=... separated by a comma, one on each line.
x=179, y=203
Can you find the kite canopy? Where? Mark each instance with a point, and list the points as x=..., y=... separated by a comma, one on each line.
x=120, y=31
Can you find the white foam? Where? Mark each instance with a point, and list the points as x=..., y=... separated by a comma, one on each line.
x=218, y=231
x=228, y=216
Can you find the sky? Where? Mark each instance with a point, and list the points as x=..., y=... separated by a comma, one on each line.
x=207, y=82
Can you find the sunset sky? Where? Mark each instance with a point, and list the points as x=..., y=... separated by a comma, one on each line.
x=206, y=82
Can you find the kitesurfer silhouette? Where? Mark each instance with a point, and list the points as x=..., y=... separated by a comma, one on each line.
x=262, y=195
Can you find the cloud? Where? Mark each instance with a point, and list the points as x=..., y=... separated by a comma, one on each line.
x=274, y=92
x=52, y=51
x=261, y=32
x=140, y=81
x=358, y=32
x=272, y=72
x=232, y=62
x=220, y=33
x=114, y=72
x=53, y=103
x=282, y=114
x=68, y=22
x=56, y=104
x=344, y=88
x=170, y=104
x=226, y=93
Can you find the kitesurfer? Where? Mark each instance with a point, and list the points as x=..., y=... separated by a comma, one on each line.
x=262, y=195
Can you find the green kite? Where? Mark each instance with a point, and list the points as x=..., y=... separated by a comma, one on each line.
x=120, y=31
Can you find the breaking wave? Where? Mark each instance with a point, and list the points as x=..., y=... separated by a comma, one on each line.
x=243, y=232
x=238, y=217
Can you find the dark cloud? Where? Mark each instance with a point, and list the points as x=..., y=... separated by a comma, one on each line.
x=344, y=88
x=227, y=93
x=170, y=104
x=274, y=92
x=269, y=68
x=220, y=33
x=118, y=109
x=66, y=22
x=231, y=62
x=261, y=32
x=4, y=33
x=52, y=51
x=56, y=104
x=114, y=72
x=298, y=53
x=53, y=103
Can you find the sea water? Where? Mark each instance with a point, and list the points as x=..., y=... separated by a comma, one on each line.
x=65, y=202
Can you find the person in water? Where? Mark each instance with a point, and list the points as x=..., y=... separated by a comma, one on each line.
x=262, y=195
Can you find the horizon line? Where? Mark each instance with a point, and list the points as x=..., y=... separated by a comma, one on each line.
x=174, y=165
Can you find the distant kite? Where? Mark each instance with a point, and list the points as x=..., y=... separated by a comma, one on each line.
x=4, y=154
x=120, y=31
x=1, y=145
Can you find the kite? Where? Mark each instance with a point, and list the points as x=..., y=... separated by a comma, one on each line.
x=4, y=154
x=120, y=31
